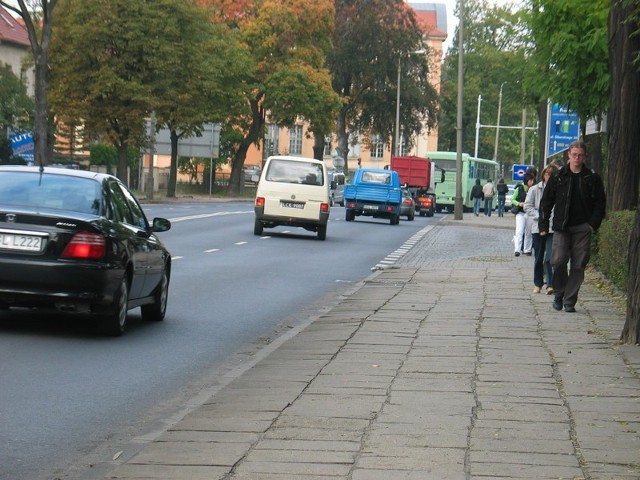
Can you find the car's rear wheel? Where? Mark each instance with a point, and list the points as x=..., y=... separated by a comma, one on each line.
x=115, y=322
x=322, y=232
x=155, y=311
x=257, y=227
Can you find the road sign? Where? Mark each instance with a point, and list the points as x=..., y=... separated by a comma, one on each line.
x=23, y=146
x=563, y=128
x=205, y=146
x=519, y=171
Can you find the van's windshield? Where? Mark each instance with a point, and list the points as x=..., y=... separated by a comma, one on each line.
x=291, y=171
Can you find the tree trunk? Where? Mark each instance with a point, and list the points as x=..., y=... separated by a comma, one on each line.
x=41, y=139
x=343, y=138
x=253, y=135
x=173, y=167
x=631, y=330
x=624, y=144
x=623, y=172
x=542, y=132
x=318, y=146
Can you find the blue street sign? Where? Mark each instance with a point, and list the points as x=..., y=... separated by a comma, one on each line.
x=519, y=171
x=23, y=146
x=563, y=128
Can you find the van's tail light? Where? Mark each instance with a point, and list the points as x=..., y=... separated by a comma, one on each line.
x=324, y=207
x=260, y=202
x=84, y=245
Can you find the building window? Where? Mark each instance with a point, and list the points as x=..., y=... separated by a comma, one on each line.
x=377, y=147
x=271, y=140
x=295, y=140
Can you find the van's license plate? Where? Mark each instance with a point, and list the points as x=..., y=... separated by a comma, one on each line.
x=299, y=205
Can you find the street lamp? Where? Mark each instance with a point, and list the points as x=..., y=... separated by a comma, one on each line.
x=397, y=136
x=495, y=147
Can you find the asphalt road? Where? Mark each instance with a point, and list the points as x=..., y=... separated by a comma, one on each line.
x=70, y=397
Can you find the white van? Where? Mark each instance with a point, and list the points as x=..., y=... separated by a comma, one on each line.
x=293, y=191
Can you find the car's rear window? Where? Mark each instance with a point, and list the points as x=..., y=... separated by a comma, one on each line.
x=291, y=171
x=33, y=189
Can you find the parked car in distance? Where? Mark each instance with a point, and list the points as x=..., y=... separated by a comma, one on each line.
x=79, y=242
x=508, y=196
x=336, y=187
x=408, y=205
x=249, y=172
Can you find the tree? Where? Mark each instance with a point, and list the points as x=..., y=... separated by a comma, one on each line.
x=495, y=57
x=201, y=84
x=288, y=41
x=624, y=146
x=38, y=18
x=570, y=38
x=116, y=53
x=364, y=63
x=101, y=154
x=16, y=107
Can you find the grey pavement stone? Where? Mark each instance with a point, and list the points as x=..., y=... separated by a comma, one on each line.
x=445, y=366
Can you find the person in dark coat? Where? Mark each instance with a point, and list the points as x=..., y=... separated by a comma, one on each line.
x=576, y=195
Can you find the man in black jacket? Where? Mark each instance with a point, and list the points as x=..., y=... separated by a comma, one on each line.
x=576, y=195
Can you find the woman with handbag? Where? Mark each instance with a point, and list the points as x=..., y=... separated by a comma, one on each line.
x=522, y=240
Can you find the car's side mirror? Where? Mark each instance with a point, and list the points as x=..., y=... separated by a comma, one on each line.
x=160, y=224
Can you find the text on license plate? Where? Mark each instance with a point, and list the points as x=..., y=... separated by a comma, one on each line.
x=370, y=207
x=299, y=205
x=28, y=243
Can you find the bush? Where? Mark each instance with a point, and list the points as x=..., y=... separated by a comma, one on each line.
x=611, y=247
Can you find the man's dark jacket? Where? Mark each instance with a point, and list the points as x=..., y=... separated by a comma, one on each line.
x=558, y=194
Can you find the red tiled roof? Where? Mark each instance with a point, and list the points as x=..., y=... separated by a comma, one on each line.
x=428, y=23
x=11, y=30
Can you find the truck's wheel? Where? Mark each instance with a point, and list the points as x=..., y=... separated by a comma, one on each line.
x=394, y=220
x=349, y=215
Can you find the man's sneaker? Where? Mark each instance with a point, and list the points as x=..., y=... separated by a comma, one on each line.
x=549, y=291
x=569, y=308
x=517, y=254
x=557, y=303
x=536, y=289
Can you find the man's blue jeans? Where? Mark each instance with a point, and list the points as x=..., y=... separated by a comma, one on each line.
x=501, y=200
x=476, y=205
x=488, y=205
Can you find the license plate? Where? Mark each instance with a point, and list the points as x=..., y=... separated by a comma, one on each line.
x=25, y=243
x=370, y=207
x=297, y=205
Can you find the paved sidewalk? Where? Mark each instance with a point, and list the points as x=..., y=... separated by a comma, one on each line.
x=435, y=367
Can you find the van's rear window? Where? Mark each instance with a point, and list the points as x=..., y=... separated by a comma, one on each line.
x=290, y=171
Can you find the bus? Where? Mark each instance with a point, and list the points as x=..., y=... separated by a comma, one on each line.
x=472, y=168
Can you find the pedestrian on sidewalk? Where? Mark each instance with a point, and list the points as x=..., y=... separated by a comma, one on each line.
x=575, y=194
x=542, y=245
x=522, y=240
x=488, y=192
x=476, y=196
x=502, y=190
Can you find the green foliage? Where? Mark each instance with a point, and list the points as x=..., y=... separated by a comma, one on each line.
x=6, y=152
x=495, y=57
x=571, y=53
x=16, y=107
x=101, y=154
x=612, y=247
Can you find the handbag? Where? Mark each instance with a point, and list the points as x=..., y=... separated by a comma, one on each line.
x=515, y=210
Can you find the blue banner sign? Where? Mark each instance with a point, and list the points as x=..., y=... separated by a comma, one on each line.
x=563, y=129
x=23, y=146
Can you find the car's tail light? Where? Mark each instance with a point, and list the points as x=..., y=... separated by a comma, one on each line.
x=260, y=202
x=407, y=201
x=85, y=245
x=324, y=207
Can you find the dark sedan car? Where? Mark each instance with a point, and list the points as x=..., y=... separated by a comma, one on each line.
x=79, y=241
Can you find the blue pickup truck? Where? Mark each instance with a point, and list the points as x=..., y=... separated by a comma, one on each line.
x=373, y=193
